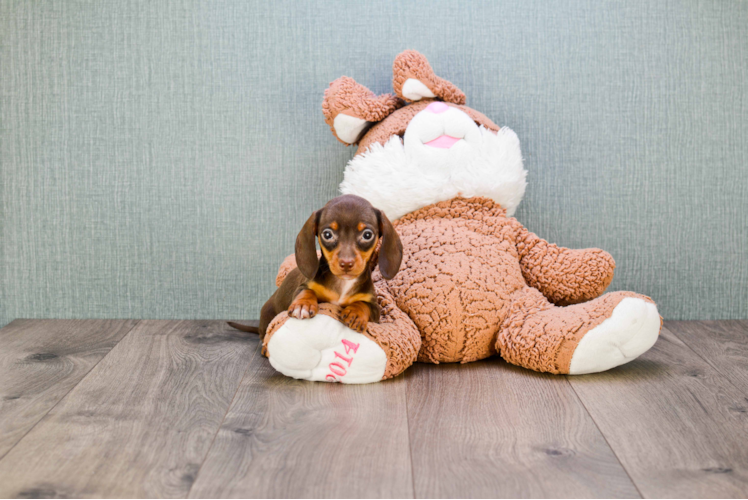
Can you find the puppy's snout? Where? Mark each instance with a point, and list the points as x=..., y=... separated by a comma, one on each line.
x=346, y=264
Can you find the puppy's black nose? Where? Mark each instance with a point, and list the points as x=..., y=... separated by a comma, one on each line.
x=347, y=264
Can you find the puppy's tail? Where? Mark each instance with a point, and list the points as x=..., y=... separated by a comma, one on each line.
x=244, y=328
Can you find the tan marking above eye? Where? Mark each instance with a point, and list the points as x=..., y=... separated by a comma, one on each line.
x=334, y=226
x=361, y=226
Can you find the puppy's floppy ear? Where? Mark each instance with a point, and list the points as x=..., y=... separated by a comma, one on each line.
x=306, y=249
x=391, y=251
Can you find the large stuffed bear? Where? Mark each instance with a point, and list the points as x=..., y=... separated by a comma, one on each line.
x=473, y=282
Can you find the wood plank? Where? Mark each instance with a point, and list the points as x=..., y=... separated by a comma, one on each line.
x=285, y=438
x=722, y=344
x=677, y=425
x=490, y=429
x=41, y=360
x=142, y=421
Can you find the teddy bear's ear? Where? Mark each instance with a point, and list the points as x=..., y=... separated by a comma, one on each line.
x=413, y=80
x=350, y=108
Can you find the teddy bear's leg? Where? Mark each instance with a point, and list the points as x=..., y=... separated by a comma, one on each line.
x=584, y=338
x=324, y=349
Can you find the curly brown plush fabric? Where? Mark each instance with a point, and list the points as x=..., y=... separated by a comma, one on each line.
x=467, y=283
x=288, y=265
x=586, y=273
x=346, y=96
x=395, y=333
x=535, y=334
x=460, y=268
x=475, y=282
x=412, y=64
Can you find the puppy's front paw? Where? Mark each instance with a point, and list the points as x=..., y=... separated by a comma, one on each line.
x=356, y=316
x=303, y=307
x=303, y=311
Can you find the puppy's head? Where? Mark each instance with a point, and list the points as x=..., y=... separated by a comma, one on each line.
x=348, y=229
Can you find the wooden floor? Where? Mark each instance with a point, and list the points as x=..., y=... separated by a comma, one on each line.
x=102, y=408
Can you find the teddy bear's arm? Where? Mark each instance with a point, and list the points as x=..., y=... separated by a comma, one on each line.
x=395, y=333
x=563, y=275
x=288, y=265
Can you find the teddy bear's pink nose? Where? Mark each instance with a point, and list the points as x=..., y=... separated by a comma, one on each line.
x=437, y=107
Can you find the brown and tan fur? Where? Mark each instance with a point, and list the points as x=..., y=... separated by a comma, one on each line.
x=348, y=230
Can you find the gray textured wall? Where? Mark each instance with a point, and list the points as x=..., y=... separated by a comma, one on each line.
x=159, y=157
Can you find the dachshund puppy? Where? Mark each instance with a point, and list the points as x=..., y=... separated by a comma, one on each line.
x=348, y=230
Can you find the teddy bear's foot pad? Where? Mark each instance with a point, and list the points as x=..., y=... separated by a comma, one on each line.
x=323, y=349
x=631, y=330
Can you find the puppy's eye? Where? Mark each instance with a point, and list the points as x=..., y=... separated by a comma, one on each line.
x=367, y=235
x=327, y=235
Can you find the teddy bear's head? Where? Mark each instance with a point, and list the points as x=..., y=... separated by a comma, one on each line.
x=421, y=145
